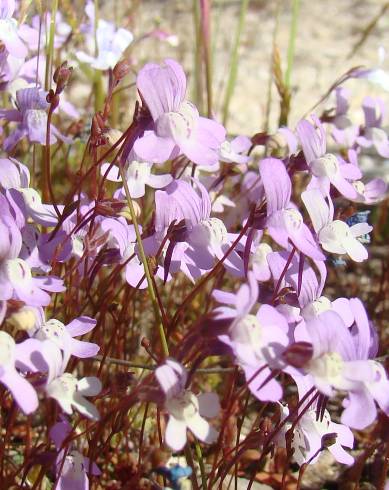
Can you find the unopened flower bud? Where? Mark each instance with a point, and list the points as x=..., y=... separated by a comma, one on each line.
x=121, y=69
x=62, y=76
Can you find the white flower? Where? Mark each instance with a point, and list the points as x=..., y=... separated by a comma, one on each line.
x=186, y=410
x=335, y=236
x=69, y=392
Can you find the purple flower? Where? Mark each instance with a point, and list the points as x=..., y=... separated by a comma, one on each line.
x=257, y=341
x=71, y=473
x=325, y=168
x=343, y=132
x=9, y=31
x=335, y=236
x=373, y=134
x=341, y=361
x=31, y=116
x=178, y=128
x=185, y=409
x=62, y=335
x=122, y=237
x=231, y=151
x=24, y=394
x=284, y=221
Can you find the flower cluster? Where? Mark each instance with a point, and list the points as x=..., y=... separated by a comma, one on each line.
x=169, y=205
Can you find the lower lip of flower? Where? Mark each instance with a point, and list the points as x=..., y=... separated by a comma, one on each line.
x=7, y=345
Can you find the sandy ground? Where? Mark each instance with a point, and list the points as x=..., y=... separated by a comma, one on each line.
x=327, y=31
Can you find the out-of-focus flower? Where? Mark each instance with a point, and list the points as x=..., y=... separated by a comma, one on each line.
x=186, y=410
x=9, y=31
x=72, y=473
x=232, y=151
x=31, y=116
x=111, y=43
x=373, y=134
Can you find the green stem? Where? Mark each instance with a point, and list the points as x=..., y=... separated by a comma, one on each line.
x=292, y=41
x=198, y=85
x=234, y=60
x=50, y=46
x=98, y=79
x=199, y=456
x=145, y=263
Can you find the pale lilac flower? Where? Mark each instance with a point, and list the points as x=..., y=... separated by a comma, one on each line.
x=22, y=391
x=9, y=30
x=310, y=430
x=335, y=236
x=122, y=237
x=284, y=222
x=373, y=134
x=310, y=299
x=62, y=335
x=31, y=34
x=111, y=44
x=185, y=409
x=178, y=127
x=259, y=261
x=257, y=341
x=138, y=175
x=70, y=393
x=197, y=238
x=233, y=151
x=325, y=168
x=370, y=192
x=31, y=116
x=71, y=473
x=341, y=361
x=343, y=132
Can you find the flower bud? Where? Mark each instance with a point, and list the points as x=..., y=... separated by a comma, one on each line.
x=62, y=76
x=121, y=69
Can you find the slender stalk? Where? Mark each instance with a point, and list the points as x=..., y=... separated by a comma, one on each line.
x=198, y=79
x=98, y=79
x=206, y=41
x=234, y=60
x=199, y=456
x=50, y=46
x=292, y=41
x=145, y=263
